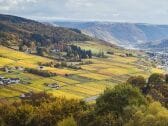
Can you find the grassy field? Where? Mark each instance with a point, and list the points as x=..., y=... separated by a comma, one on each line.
x=89, y=81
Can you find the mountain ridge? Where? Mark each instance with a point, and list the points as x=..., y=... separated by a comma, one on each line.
x=124, y=33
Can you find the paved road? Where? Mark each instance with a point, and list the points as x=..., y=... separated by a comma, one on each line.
x=90, y=99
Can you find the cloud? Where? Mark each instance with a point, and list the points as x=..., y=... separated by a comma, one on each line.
x=78, y=3
x=150, y=11
x=14, y=5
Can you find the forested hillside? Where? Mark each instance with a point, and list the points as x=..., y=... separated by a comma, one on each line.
x=15, y=31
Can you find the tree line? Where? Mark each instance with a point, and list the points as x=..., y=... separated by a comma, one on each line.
x=43, y=73
x=75, y=51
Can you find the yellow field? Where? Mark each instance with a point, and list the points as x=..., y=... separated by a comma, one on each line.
x=13, y=57
x=94, y=76
x=5, y=61
x=155, y=70
x=60, y=71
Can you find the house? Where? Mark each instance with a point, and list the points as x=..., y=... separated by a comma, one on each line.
x=26, y=95
x=54, y=50
x=7, y=81
x=20, y=68
x=1, y=83
x=54, y=85
x=1, y=77
x=22, y=96
x=15, y=80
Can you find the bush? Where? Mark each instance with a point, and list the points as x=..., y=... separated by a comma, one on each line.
x=115, y=100
x=41, y=111
x=156, y=79
x=152, y=115
x=43, y=73
x=67, y=122
x=137, y=81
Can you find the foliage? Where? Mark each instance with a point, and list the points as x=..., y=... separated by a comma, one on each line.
x=152, y=115
x=115, y=100
x=75, y=51
x=48, y=112
x=156, y=86
x=68, y=122
x=124, y=105
x=40, y=51
x=137, y=81
x=43, y=73
x=17, y=31
x=156, y=79
x=166, y=78
x=100, y=54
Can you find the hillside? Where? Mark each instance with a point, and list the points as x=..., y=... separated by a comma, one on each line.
x=127, y=34
x=93, y=76
x=69, y=64
x=157, y=46
x=15, y=31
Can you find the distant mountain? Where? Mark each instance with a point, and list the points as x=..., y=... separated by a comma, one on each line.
x=16, y=31
x=125, y=34
x=159, y=46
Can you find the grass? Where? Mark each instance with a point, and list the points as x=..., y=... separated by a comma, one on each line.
x=60, y=71
x=155, y=70
x=94, y=76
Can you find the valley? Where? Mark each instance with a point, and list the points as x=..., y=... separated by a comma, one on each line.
x=83, y=63
x=129, y=35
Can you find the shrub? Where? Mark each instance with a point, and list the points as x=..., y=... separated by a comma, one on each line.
x=43, y=73
x=115, y=100
x=156, y=79
x=137, y=81
x=67, y=122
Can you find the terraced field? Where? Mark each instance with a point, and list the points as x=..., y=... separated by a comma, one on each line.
x=89, y=81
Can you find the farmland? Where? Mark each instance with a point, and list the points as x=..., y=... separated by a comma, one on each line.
x=90, y=80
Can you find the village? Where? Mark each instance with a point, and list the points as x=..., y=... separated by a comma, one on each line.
x=161, y=59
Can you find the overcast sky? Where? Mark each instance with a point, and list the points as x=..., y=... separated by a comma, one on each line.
x=145, y=11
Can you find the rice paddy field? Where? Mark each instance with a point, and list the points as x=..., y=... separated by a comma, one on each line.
x=91, y=80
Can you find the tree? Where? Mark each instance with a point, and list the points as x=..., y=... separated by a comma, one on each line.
x=153, y=115
x=67, y=122
x=23, y=48
x=166, y=78
x=40, y=109
x=115, y=100
x=40, y=51
x=17, y=116
x=156, y=79
x=137, y=81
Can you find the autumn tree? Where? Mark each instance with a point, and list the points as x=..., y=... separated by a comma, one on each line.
x=137, y=81
x=156, y=79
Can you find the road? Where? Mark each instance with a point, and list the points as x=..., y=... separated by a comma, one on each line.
x=90, y=99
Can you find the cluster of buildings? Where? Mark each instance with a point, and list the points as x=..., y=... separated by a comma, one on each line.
x=161, y=59
x=7, y=81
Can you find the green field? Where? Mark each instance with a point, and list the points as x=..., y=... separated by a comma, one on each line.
x=89, y=81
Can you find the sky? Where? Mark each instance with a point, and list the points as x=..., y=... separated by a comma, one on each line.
x=137, y=11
